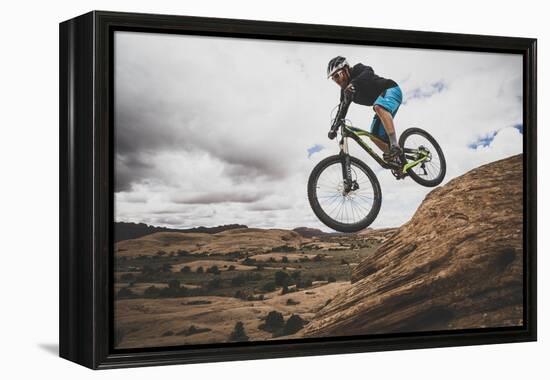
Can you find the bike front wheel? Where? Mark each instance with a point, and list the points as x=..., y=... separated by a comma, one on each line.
x=344, y=211
x=422, y=151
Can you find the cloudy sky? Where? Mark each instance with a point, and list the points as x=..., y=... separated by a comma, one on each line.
x=214, y=131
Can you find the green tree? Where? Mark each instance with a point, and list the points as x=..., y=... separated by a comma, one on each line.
x=127, y=277
x=269, y=287
x=294, y=324
x=274, y=321
x=151, y=291
x=238, y=280
x=238, y=334
x=125, y=293
x=213, y=269
x=215, y=283
x=281, y=278
x=174, y=284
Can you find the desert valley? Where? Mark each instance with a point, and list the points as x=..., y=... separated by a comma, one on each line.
x=456, y=264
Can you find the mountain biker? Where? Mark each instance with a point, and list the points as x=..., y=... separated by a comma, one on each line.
x=359, y=84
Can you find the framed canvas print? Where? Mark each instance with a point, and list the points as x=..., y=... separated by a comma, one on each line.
x=236, y=189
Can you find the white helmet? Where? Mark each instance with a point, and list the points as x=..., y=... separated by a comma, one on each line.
x=336, y=64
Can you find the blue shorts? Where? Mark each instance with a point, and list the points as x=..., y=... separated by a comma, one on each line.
x=390, y=100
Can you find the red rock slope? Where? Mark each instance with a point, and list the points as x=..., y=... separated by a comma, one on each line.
x=456, y=264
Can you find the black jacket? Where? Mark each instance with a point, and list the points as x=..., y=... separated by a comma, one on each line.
x=368, y=85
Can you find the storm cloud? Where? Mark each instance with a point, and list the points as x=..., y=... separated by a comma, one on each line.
x=212, y=130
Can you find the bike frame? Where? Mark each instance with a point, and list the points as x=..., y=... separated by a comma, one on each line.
x=356, y=133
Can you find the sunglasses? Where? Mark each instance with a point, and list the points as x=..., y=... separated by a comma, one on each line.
x=337, y=75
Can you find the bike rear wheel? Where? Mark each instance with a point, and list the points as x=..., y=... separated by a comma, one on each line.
x=344, y=211
x=419, y=145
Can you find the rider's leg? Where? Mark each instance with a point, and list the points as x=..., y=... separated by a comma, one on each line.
x=385, y=107
x=387, y=122
x=380, y=144
x=381, y=139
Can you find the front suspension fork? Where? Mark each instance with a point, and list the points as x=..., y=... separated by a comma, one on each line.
x=346, y=164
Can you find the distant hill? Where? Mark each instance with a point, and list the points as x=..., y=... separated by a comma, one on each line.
x=126, y=231
x=309, y=232
x=233, y=240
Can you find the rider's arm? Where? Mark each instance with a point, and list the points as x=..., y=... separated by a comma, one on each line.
x=345, y=101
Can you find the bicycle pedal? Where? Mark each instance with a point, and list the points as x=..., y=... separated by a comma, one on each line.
x=398, y=174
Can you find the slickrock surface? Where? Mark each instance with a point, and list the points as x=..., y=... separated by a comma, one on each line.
x=457, y=264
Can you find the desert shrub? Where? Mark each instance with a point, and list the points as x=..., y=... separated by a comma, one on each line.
x=182, y=252
x=151, y=291
x=127, y=277
x=259, y=267
x=294, y=324
x=284, y=259
x=200, y=270
x=197, y=302
x=238, y=334
x=231, y=267
x=174, y=289
x=296, y=275
x=193, y=330
x=272, y=259
x=185, y=269
x=290, y=301
x=283, y=248
x=240, y=294
x=282, y=278
x=215, y=283
x=317, y=257
x=253, y=276
x=273, y=321
x=166, y=267
x=161, y=253
x=181, y=292
x=238, y=280
x=249, y=261
x=147, y=270
x=331, y=279
x=344, y=262
x=125, y=293
x=319, y=277
x=269, y=287
x=174, y=284
x=213, y=269
x=168, y=333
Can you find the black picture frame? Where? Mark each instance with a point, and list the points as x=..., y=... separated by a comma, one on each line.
x=86, y=187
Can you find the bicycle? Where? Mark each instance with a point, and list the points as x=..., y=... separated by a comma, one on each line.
x=344, y=192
